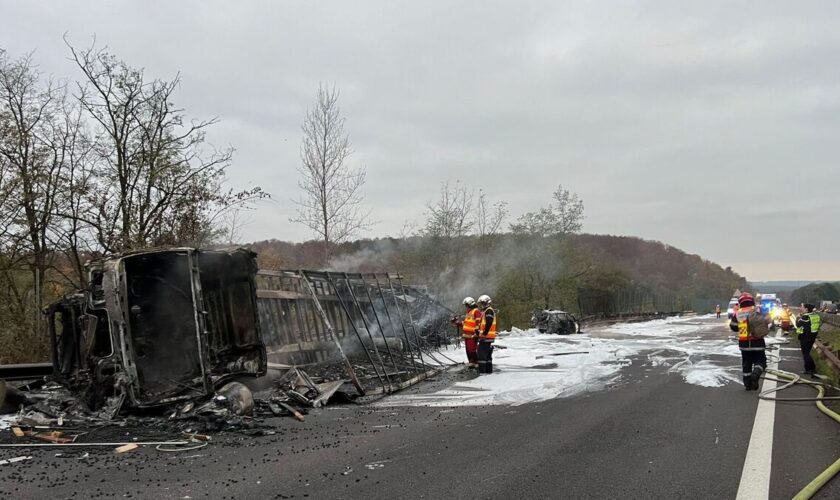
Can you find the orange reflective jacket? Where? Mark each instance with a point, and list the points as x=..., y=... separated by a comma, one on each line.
x=471, y=323
x=491, y=333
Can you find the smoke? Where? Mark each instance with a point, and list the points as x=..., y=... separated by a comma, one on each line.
x=453, y=268
x=377, y=257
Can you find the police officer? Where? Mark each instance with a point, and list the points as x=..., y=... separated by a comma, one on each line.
x=486, y=335
x=808, y=327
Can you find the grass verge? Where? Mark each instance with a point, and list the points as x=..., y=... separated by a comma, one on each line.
x=830, y=336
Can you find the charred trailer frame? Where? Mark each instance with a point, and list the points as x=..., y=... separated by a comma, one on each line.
x=159, y=326
x=370, y=327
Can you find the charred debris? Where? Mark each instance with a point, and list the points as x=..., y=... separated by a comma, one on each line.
x=555, y=322
x=187, y=335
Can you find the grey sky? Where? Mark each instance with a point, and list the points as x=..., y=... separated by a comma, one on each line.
x=652, y=111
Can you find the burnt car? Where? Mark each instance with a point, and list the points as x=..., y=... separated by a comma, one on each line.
x=555, y=322
x=159, y=326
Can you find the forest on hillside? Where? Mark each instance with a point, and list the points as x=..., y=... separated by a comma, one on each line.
x=583, y=273
x=815, y=293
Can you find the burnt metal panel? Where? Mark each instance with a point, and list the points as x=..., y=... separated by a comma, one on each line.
x=160, y=326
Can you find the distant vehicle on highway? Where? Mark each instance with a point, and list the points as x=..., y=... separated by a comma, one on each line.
x=830, y=308
x=557, y=322
x=733, y=308
x=770, y=305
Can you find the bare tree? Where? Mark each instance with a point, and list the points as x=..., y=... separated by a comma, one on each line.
x=158, y=183
x=545, y=267
x=234, y=222
x=33, y=156
x=70, y=234
x=489, y=219
x=563, y=216
x=332, y=191
x=450, y=216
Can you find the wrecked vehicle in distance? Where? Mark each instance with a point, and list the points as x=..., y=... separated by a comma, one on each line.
x=555, y=322
x=157, y=327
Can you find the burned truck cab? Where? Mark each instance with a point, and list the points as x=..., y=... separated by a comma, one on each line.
x=159, y=326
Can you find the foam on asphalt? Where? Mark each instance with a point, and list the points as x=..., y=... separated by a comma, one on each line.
x=530, y=366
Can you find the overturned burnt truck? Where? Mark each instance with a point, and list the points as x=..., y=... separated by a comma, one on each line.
x=159, y=327
x=555, y=322
x=163, y=327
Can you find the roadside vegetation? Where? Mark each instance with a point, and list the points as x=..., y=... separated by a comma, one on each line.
x=830, y=336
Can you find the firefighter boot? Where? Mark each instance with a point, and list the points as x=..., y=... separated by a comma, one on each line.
x=756, y=376
x=748, y=382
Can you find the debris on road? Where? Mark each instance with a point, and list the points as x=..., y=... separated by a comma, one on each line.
x=14, y=460
x=555, y=322
x=126, y=447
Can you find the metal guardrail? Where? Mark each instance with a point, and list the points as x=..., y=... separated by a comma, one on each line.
x=25, y=371
x=830, y=356
x=831, y=319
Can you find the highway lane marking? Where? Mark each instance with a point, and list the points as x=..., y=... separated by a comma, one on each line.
x=755, y=477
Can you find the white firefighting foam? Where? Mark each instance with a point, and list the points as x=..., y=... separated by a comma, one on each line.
x=530, y=366
x=6, y=421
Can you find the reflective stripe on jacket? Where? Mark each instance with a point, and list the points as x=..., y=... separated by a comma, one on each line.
x=491, y=333
x=471, y=323
x=814, y=319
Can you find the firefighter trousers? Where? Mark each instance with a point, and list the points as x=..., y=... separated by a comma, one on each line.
x=751, y=360
x=806, y=342
x=485, y=357
x=472, y=352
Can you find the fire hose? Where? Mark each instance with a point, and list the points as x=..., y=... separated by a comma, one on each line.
x=789, y=380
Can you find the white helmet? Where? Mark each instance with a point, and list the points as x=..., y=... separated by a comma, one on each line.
x=484, y=300
x=469, y=302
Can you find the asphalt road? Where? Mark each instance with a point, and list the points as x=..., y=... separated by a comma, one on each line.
x=650, y=435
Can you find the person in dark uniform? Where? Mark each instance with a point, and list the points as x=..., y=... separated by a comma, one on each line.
x=808, y=327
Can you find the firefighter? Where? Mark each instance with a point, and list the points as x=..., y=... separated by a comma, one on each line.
x=469, y=331
x=752, y=327
x=785, y=321
x=486, y=335
x=808, y=327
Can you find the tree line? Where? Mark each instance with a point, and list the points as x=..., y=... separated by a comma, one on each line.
x=541, y=260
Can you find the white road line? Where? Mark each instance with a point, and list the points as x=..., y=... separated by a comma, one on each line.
x=755, y=478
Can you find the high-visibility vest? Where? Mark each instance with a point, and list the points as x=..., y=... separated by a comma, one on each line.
x=816, y=322
x=743, y=315
x=470, y=323
x=491, y=333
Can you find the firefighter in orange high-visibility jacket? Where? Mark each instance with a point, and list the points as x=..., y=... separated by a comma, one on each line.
x=752, y=328
x=486, y=335
x=469, y=331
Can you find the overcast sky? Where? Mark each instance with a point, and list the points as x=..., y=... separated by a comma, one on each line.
x=655, y=113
